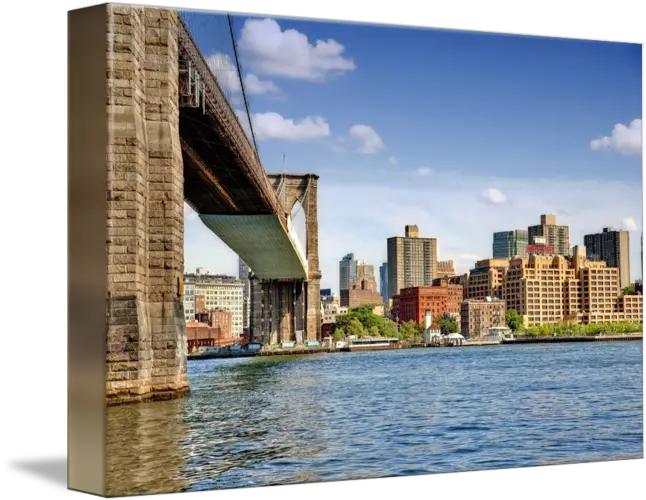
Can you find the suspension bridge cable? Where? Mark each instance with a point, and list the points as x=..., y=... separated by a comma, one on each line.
x=244, y=94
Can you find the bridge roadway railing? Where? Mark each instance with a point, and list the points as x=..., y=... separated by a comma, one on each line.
x=217, y=105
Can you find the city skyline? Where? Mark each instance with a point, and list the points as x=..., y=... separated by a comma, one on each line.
x=497, y=138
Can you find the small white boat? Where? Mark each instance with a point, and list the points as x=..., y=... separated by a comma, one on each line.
x=371, y=343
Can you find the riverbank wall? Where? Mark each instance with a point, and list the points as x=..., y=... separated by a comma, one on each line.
x=473, y=343
x=269, y=352
x=579, y=338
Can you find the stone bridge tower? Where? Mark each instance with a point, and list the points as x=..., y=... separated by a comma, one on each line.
x=282, y=309
x=137, y=164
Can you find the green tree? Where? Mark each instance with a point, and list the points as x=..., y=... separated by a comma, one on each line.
x=447, y=324
x=451, y=326
x=408, y=331
x=629, y=290
x=578, y=329
x=365, y=315
x=342, y=321
x=369, y=323
x=355, y=328
x=514, y=320
x=388, y=328
x=339, y=334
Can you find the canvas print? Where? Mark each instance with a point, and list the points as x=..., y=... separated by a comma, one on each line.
x=340, y=251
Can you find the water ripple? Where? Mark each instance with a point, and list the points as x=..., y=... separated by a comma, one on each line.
x=285, y=420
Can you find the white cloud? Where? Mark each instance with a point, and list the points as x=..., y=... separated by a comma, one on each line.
x=271, y=125
x=392, y=160
x=629, y=224
x=226, y=73
x=624, y=139
x=383, y=205
x=492, y=196
x=424, y=171
x=270, y=51
x=253, y=85
x=369, y=138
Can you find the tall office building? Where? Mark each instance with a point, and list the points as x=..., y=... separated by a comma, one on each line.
x=364, y=272
x=508, y=244
x=363, y=288
x=549, y=234
x=613, y=247
x=347, y=272
x=383, y=281
x=412, y=261
x=243, y=275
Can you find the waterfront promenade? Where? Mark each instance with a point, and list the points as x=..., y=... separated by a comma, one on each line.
x=475, y=343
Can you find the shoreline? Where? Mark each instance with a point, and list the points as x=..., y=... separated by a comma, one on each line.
x=475, y=343
x=577, y=338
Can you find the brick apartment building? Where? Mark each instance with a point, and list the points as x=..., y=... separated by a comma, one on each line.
x=440, y=298
x=219, y=317
x=478, y=315
x=201, y=334
x=223, y=319
x=362, y=292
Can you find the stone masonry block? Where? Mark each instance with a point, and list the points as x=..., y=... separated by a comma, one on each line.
x=146, y=332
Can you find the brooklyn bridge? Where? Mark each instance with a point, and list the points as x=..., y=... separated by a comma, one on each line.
x=174, y=137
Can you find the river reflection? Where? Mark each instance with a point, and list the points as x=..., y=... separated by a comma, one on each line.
x=146, y=448
x=282, y=420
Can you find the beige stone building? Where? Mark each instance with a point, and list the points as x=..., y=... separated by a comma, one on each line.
x=555, y=236
x=476, y=316
x=412, y=261
x=330, y=312
x=556, y=289
x=445, y=269
x=486, y=279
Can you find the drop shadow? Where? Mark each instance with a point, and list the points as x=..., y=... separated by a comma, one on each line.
x=53, y=469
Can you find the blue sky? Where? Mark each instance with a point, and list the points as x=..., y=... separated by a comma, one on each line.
x=460, y=133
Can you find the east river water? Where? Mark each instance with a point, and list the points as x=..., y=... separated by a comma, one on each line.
x=292, y=419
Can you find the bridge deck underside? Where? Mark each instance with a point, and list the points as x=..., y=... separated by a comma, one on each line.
x=219, y=188
x=262, y=242
x=225, y=185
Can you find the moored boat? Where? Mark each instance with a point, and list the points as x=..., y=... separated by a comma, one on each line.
x=371, y=344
